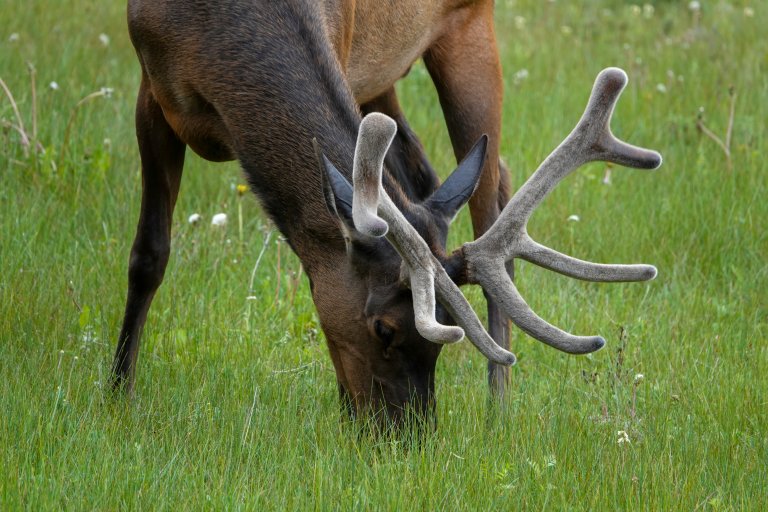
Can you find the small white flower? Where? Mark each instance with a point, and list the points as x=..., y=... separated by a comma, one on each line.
x=195, y=219
x=574, y=218
x=107, y=143
x=104, y=39
x=749, y=12
x=520, y=76
x=694, y=6
x=661, y=88
x=106, y=91
x=54, y=86
x=220, y=219
x=639, y=378
x=13, y=38
x=648, y=11
x=636, y=10
x=623, y=437
x=519, y=22
x=607, y=176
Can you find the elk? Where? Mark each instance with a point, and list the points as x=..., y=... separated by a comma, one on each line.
x=259, y=81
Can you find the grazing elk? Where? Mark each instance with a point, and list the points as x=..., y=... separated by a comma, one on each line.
x=258, y=81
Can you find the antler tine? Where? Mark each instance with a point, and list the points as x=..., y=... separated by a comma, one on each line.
x=590, y=140
x=421, y=268
x=373, y=140
x=585, y=270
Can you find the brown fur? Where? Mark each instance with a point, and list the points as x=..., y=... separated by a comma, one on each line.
x=256, y=81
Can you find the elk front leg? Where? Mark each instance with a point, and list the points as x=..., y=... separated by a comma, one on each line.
x=406, y=157
x=162, y=159
x=464, y=65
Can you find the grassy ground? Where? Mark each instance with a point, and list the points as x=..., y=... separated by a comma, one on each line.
x=236, y=402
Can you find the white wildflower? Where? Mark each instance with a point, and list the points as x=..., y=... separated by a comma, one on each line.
x=648, y=11
x=13, y=38
x=574, y=218
x=636, y=10
x=661, y=88
x=520, y=76
x=749, y=12
x=639, y=378
x=694, y=6
x=195, y=219
x=623, y=437
x=104, y=39
x=519, y=22
x=220, y=219
x=54, y=86
x=106, y=92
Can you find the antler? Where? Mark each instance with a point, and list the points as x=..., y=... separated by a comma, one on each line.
x=426, y=275
x=508, y=238
x=485, y=258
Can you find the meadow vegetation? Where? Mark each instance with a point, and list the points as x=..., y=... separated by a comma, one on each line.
x=236, y=404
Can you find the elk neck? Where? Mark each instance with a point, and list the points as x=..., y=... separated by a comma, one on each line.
x=258, y=91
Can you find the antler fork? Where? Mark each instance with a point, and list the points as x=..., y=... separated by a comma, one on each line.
x=507, y=239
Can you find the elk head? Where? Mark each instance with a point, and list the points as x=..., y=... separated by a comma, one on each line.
x=383, y=360
x=408, y=287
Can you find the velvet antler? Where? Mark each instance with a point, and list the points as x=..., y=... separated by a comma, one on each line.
x=375, y=214
x=508, y=238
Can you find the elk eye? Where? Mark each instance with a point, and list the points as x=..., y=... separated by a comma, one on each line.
x=385, y=333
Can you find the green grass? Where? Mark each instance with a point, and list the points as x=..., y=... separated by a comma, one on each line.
x=236, y=403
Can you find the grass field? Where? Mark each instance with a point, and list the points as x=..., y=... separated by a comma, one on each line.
x=236, y=403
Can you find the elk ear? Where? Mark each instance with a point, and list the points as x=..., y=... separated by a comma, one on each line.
x=337, y=191
x=461, y=184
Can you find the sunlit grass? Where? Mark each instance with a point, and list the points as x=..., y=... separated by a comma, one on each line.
x=236, y=404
